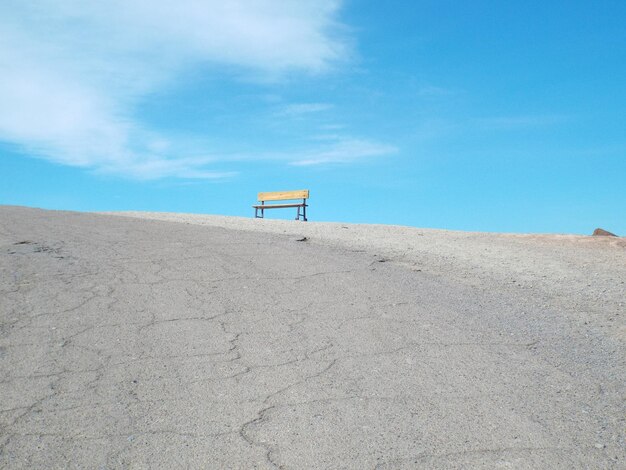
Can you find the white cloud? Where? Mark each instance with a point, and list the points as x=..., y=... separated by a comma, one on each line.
x=72, y=70
x=332, y=127
x=344, y=151
x=326, y=137
x=431, y=91
x=154, y=168
x=520, y=122
x=433, y=129
x=304, y=108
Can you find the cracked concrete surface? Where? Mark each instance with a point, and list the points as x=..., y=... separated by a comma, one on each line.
x=152, y=344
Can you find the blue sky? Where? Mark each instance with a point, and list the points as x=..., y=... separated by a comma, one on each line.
x=482, y=115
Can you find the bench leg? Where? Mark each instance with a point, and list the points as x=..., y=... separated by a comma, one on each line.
x=301, y=212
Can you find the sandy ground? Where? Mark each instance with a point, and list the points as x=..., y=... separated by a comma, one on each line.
x=186, y=341
x=585, y=277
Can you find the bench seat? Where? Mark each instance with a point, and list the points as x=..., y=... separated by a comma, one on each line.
x=276, y=206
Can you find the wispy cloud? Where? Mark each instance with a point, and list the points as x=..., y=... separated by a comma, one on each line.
x=434, y=129
x=520, y=122
x=304, y=108
x=332, y=127
x=343, y=151
x=431, y=91
x=155, y=168
x=73, y=71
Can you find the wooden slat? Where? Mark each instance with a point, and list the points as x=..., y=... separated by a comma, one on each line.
x=277, y=206
x=284, y=195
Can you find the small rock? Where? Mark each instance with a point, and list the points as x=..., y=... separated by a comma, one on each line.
x=602, y=233
x=599, y=446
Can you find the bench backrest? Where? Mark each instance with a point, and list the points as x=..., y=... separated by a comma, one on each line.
x=284, y=195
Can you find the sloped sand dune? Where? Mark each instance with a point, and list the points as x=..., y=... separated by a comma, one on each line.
x=174, y=340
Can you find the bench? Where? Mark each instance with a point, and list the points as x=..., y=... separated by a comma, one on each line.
x=282, y=196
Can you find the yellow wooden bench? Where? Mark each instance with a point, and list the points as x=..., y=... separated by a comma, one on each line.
x=282, y=196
